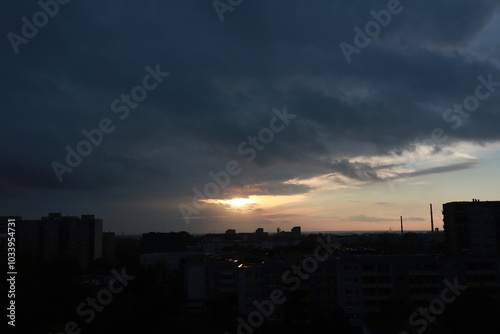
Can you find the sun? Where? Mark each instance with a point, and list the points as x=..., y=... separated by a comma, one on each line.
x=238, y=201
x=235, y=203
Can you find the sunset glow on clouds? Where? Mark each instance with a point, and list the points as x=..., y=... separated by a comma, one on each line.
x=372, y=140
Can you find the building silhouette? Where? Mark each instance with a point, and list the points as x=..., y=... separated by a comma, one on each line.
x=155, y=242
x=472, y=227
x=358, y=285
x=108, y=245
x=296, y=234
x=58, y=236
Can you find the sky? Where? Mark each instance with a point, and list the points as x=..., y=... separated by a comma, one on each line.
x=201, y=115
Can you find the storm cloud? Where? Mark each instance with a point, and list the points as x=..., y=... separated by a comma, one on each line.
x=225, y=80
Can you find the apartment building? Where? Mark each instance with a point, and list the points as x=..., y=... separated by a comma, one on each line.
x=59, y=236
x=472, y=227
x=358, y=284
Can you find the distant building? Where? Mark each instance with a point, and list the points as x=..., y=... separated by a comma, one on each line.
x=166, y=242
x=108, y=245
x=296, y=233
x=59, y=236
x=472, y=227
x=260, y=234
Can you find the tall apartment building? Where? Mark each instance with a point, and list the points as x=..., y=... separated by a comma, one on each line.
x=472, y=227
x=59, y=236
x=209, y=278
x=360, y=285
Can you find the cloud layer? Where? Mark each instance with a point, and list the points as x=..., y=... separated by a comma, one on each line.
x=355, y=122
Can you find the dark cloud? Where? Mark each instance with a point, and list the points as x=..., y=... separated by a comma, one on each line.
x=363, y=218
x=282, y=216
x=441, y=169
x=225, y=79
x=276, y=189
x=415, y=219
x=356, y=170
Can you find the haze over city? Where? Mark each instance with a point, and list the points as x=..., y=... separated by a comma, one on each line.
x=309, y=124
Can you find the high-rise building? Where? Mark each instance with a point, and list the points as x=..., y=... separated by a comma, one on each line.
x=56, y=235
x=472, y=227
x=357, y=284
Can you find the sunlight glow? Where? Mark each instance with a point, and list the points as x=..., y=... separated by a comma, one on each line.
x=238, y=201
